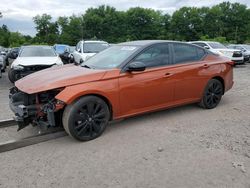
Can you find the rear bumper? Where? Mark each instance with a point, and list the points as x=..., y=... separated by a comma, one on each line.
x=239, y=62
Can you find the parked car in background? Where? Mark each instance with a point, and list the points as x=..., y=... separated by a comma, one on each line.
x=60, y=48
x=87, y=48
x=67, y=56
x=12, y=55
x=2, y=69
x=32, y=59
x=124, y=80
x=218, y=48
x=3, y=60
x=244, y=48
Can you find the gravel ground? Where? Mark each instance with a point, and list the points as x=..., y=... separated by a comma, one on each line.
x=181, y=147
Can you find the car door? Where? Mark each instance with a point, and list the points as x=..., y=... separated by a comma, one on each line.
x=190, y=71
x=149, y=89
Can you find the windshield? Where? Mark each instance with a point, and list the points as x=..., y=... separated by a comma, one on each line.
x=111, y=57
x=94, y=47
x=216, y=45
x=60, y=48
x=41, y=51
x=71, y=49
x=247, y=47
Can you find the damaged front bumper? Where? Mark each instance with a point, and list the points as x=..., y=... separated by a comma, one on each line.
x=31, y=109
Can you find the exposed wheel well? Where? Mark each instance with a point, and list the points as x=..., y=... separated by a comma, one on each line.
x=221, y=80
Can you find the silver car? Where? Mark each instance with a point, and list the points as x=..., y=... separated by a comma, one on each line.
x=244, y=48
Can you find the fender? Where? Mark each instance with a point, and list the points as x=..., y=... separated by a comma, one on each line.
x=110, y=92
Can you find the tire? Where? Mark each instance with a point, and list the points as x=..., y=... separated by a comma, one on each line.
x=86, y=119
x=212, y=94
x=12, y=75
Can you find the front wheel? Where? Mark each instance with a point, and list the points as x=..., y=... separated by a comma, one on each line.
x=212, y=94
x=12, y=75
x=87, y=118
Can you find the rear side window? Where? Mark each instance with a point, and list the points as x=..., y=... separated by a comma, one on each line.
x=187, y=53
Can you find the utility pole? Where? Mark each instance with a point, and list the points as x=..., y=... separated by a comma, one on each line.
x=236, y=33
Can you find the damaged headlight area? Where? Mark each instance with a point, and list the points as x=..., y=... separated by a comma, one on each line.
x=18, y=67
x=38, y=109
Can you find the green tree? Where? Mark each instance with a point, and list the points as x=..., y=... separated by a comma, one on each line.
x=187, y=23
x=47, y=31
x=144, y=23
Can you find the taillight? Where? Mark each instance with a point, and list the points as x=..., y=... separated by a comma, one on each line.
x=231, y=63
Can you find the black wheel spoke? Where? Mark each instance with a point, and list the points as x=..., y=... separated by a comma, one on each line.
x=96, y=127
x=79, y=117
x=98, y=107
x=90, y=108
x=100, y=114
x=99, y=120
x=81, y=125
x=83, y=129
x=91, y=130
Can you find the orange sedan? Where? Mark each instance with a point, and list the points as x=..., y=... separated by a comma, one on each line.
x=124, y=80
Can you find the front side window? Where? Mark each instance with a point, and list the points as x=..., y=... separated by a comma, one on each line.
x=41, y=51
x=187, y=53
x=60, y=48
x=157, y=55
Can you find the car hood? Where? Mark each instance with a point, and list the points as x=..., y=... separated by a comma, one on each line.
x=29, y=61
x=57, y=77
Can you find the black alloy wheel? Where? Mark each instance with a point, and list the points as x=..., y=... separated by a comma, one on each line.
x=86, y=119
x=212, y=94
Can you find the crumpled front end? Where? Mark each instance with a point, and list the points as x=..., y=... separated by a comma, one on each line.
x=37, y=109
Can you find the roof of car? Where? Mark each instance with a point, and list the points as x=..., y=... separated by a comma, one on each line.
x=95, y=41
x=37, y=46
x=203, y=41
x=146, y=42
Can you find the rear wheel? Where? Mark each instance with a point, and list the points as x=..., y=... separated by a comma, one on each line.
x=87, y=118
x=212, y=94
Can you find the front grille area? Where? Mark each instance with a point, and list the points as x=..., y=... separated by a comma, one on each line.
x=35, y=68
x=237, y=54
x=31, y=69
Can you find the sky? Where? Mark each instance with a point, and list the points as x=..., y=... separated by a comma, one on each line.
x=18, y=14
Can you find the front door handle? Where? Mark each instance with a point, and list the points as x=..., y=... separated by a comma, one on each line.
x=168, y=74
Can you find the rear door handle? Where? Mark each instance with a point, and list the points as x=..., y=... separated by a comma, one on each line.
x=205, y=65
x=168, y=74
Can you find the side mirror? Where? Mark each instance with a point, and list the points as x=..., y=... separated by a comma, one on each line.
x=13, y=55
x=136, y=66
x=206, y=47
